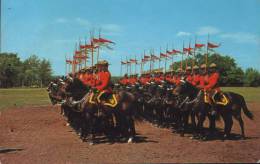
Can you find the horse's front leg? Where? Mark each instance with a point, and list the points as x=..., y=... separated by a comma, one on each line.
x=212, y=124
x=131, y=129
x=227, y=117
x=201, y=119
x=193, y=124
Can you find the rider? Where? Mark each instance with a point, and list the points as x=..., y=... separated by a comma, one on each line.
x=80, y=75
x=195, y=76
x=124, y=80
x=188, y=74
x=142, y=79
x=134, y=79
x=158, y=77
x=203, y=77
x=103, y=78
x=87, y=77
x=212, y=86
x=178, y=76
x=168, y=76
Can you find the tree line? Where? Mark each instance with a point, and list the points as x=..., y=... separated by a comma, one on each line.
x=32, y=72
x=36, y=72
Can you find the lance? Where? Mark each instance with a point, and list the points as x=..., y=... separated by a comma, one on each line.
x=160, y=59
x=194, y=54
x=80, y=59
x=92, y=49
x=206, y=56
x=141, y=67
x=152, y=50
x=74, y=63
x=165, y=60
x=182, y=55
x=142, y=64
x=66, y=65
x=121, y=67
x=187, y=58
x=130, y=63
x=126, y=65
x=86, y=53
x=172, y=55
x=135, y=64
x=99, y=36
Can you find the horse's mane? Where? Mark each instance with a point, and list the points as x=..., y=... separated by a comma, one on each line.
x=192, y=90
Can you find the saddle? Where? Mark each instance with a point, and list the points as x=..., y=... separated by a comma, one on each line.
x=218, y=98
x=104, y=98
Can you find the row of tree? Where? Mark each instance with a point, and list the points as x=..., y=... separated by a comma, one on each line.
x=37, y=72
x=231, y=73
x=33, y=71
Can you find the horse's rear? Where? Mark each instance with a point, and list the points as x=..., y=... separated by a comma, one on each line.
x=233, y=108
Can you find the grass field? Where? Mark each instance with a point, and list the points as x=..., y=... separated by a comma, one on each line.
x=19, y=97
x=251, y=94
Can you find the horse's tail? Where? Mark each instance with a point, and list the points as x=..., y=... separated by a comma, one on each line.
x=245, y=109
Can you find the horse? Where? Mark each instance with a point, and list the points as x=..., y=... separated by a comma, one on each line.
x=96, y=113
x=233, y=108
x=55, y=92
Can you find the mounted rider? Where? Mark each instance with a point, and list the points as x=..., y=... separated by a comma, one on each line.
x=209, y=82
x=178, y=76
x=203, y=76
x=102, y=83
x=133, y=79
x=124, y=81
x=143, y=79
x=168, y=76
x=102, y=91
x=188, y=75
x=158, y=77
x=195, y=76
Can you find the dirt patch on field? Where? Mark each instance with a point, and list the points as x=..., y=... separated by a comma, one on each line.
x=42, y=136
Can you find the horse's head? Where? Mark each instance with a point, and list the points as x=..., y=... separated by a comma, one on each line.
x=184, y=88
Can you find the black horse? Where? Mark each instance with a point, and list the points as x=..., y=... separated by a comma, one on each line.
x=97, y=117
x=202, y=109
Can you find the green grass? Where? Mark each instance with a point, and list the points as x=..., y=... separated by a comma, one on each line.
x=250, y=94
x=18, y=97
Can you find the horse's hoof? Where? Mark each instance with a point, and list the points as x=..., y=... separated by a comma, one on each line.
x=91, y=143
x=67, y=124
x=204, y=138
x=130, y=140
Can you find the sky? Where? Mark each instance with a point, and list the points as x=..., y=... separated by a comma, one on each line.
x=51, y=29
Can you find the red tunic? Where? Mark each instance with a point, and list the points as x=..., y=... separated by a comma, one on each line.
x=81, y=77
x=178, y=80
x=189, y=78
x=157, y=80
x=212, y=82
x=126, y=81
x=168, y=78
x=195, y=79
x=86, y=79
x=103, y=80
x=134, y=80
x=142, y=80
